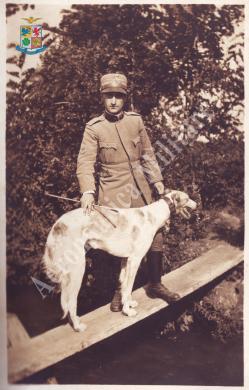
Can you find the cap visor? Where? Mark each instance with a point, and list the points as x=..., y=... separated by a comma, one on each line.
x=113, y=89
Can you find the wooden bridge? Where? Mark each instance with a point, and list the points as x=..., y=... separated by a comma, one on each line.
x=28, y=355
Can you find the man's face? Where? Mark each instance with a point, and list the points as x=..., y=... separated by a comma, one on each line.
x=113, y=101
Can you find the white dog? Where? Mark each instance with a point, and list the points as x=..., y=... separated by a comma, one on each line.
x=126, y=233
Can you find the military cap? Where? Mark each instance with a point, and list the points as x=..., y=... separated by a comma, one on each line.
x=113, y=82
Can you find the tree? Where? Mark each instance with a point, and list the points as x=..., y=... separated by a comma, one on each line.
x=172, y=55
x=13, y=8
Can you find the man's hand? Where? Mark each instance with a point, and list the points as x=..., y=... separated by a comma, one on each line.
x=159, y=186
x=87, y=202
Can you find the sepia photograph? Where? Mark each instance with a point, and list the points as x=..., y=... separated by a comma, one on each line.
x=124, y=189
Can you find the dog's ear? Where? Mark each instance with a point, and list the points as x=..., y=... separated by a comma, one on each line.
x=177, y=197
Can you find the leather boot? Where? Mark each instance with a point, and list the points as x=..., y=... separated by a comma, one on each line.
x=155, y=288
x=116, y=304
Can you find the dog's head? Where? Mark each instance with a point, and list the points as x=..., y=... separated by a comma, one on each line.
x=183, y=204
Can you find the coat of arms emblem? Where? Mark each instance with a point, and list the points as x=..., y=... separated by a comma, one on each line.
x=31, y=38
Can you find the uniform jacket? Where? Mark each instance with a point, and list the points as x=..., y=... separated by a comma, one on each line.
x=126, y=157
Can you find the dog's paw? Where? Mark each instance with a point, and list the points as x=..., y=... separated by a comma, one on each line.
x=133, y=303
x=129, y=312
x=79, y=326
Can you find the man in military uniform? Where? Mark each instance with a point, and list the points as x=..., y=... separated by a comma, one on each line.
x=128, y=170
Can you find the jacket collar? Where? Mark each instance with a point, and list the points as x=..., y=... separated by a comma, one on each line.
x=113, y=118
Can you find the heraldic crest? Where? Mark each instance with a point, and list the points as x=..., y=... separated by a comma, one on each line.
x=31, y=37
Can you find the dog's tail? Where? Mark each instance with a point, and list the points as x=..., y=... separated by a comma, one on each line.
x=54, y=263
x=55, y=271
x=62, y=262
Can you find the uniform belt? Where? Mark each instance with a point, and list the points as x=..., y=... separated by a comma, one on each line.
x=120, y=165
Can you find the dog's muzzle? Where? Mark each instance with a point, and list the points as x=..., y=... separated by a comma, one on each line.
x=186, y=210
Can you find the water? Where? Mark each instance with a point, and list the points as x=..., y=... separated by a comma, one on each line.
x=138, y=355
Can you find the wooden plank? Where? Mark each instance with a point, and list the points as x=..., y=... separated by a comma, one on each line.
x=61, y=342
x=16, y=332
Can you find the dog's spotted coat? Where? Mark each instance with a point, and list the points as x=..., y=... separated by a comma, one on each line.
x=128, y=236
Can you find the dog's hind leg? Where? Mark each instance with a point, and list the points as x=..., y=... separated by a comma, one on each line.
x=73, y=288
x=65, y=280
x=74, y=268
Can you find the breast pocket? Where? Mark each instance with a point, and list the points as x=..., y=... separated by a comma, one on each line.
x=108, y=152
x=137, y=146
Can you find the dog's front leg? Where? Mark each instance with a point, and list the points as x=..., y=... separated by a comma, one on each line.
x=127, y=284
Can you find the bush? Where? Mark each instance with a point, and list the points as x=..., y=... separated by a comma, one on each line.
x=48, y=108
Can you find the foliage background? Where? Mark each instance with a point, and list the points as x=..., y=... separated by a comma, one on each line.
x=178, y=68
